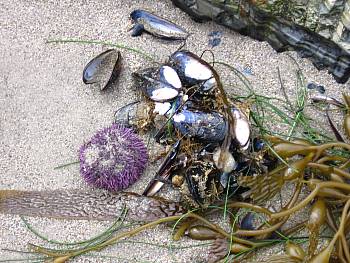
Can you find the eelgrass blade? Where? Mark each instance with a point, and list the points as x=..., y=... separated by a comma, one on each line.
x=116, y=224
x=106, y=43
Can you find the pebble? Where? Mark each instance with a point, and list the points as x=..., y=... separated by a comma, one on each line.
x=214, y=38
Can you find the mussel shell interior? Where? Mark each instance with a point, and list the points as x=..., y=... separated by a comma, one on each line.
x=157, y=84
x=164, y=74
x=168, y=75
x=242, y=128
x=208, y=84
x=161, y=92
x=103, y=69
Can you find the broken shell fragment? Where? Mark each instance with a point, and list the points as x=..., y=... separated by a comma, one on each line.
x=229, y=162
x=327, y=100
x=177, y=180
x=155, y=25
x=103, y=69
x=162, y=108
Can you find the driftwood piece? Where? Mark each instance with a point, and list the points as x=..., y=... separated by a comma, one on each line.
x=247, y=19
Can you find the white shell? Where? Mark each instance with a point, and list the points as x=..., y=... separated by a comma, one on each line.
x=161, y=108
x=229, y=162
x=209, y=84
x=196, y=70
x=179, y=117
x=163, y=94
x=171, y=77
x=242, y=129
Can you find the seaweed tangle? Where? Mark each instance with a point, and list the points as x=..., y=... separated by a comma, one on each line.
x=247, y=19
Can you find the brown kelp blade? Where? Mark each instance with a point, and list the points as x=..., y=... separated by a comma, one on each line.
x=78, y=204
x=262, y=187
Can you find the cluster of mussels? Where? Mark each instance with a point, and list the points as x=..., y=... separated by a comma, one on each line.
x=209, y=136
x=213, y=158
x=186, y=102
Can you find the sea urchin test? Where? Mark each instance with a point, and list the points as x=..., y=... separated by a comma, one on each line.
x=113, y=159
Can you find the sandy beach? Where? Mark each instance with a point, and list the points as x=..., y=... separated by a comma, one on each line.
x=47, y=112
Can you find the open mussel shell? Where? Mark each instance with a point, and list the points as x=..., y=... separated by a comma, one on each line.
x=103, y=69
x=192, y=69
x=159, y=84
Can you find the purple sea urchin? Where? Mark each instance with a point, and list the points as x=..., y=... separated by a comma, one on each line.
x=113, y=159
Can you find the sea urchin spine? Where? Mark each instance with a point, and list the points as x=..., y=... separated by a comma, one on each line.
x=113, y=159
